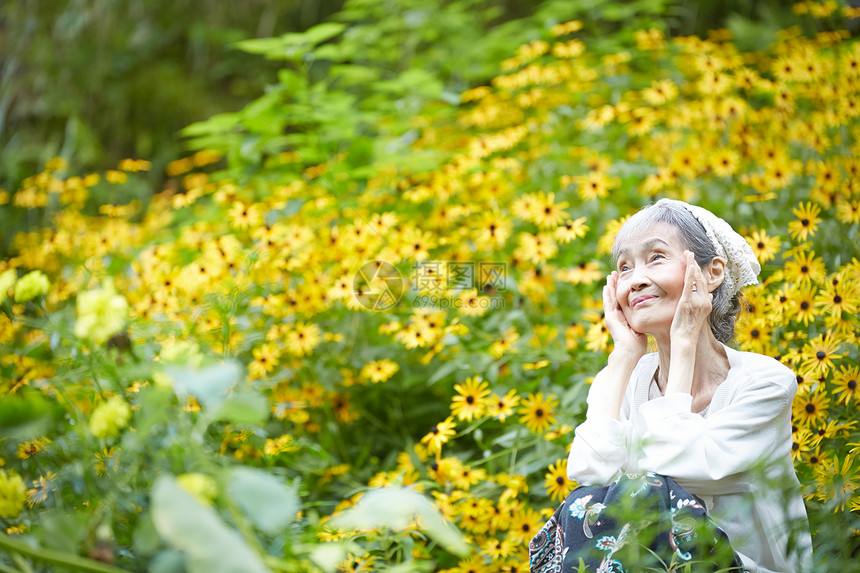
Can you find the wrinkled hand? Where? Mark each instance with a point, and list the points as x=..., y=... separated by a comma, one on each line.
x=625, y=339
x=694, y=307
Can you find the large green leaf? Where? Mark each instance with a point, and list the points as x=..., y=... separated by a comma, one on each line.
x=244, y=407
x=397, y=508
x=265, y=499
x=198, y=531
x=209, y=385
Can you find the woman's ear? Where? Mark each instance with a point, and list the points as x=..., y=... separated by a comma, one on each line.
x=715, y=272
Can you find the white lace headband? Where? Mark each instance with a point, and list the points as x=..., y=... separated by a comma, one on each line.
x=742, y=267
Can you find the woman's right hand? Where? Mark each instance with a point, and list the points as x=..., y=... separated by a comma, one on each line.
x=629, y=343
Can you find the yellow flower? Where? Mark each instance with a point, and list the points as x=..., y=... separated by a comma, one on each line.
x=820, y=353
x=281, y=444
x=810, y=406
x=471, y=399
x=524, y=525
x=807, y=221
x=537, y=412
x=572, y=229
x=7, y=280
x=764, y=247
x=102, y=313
x=583, y=273
x=32, y=447
x=13, y=494
x=805, y=268
x=503, y=406
x=439, y=435
x=724, y=162
x=303, y=338
x=202, y=487
x=31, y=285
x=556, y=483
x=837, y=483
x=546, y=212
x=846, y=381
x=379, y=370
x=109, y=417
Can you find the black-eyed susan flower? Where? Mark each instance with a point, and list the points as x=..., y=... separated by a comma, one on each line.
x=755, y=335
x=537, y=412
x=571, y=230
x=357, y=563
x=805, y=267
x=801, y=443
x=840, y=295
x=497, y=549
x=439, y=435
x=525, y=524
x=467, y=476
x=810, y=406
x=42, y=489
x=820, y=353
x=845, y=383
x=803, y=304
x=546, y=212
x=807, y=221
x=503, y=406
x=764, y=246
x=379, y=370
x=837, y=481
x=302, y=338
x=848, y=211
x=555, y=481
x=471, y=399
x=30, y=448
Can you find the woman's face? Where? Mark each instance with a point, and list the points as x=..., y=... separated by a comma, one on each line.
x=651, y=269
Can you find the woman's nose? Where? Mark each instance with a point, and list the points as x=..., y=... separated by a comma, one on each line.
x=638, y=279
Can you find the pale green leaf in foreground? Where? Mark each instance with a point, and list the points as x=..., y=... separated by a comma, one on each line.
x=265, y=500
x=208, y=385
x=210, y=546
x=396, y=508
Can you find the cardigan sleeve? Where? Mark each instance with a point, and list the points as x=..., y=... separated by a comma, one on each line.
x=749, y=428
x=601, y=443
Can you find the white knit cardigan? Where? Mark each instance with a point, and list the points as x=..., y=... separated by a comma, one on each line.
x=735, y=456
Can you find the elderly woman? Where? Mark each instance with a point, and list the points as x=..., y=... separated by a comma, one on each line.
x=703, y=425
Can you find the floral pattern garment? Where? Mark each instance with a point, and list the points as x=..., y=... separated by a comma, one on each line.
x=640, y=522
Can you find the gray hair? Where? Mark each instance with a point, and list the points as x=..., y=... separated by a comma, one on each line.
x=691, y=232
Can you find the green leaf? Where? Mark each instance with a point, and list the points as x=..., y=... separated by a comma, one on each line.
x=207, y=542
x=265, y=500
x=61, y=531
x=168, y=561
x=396, y=508
x=146, y=539
x=244, y=407
x=322, y=32
x=208, y=385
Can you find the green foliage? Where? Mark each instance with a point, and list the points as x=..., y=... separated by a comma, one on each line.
x=274, y=422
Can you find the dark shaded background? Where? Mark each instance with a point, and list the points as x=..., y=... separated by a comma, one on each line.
x=95, y=81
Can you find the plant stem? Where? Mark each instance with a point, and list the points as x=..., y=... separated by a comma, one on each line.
x=74, y=562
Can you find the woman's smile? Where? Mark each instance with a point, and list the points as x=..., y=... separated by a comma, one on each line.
x=641, y=299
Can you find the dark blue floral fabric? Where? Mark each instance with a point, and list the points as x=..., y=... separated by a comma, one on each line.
x=640, y=522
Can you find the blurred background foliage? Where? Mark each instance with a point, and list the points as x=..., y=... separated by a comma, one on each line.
x=94, y=81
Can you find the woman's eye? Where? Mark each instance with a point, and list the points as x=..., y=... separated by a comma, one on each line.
x=656, y=256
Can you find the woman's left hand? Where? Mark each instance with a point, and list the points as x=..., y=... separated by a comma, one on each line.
x=694, y=306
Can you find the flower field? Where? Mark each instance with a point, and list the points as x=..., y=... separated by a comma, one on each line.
x=355, y=329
